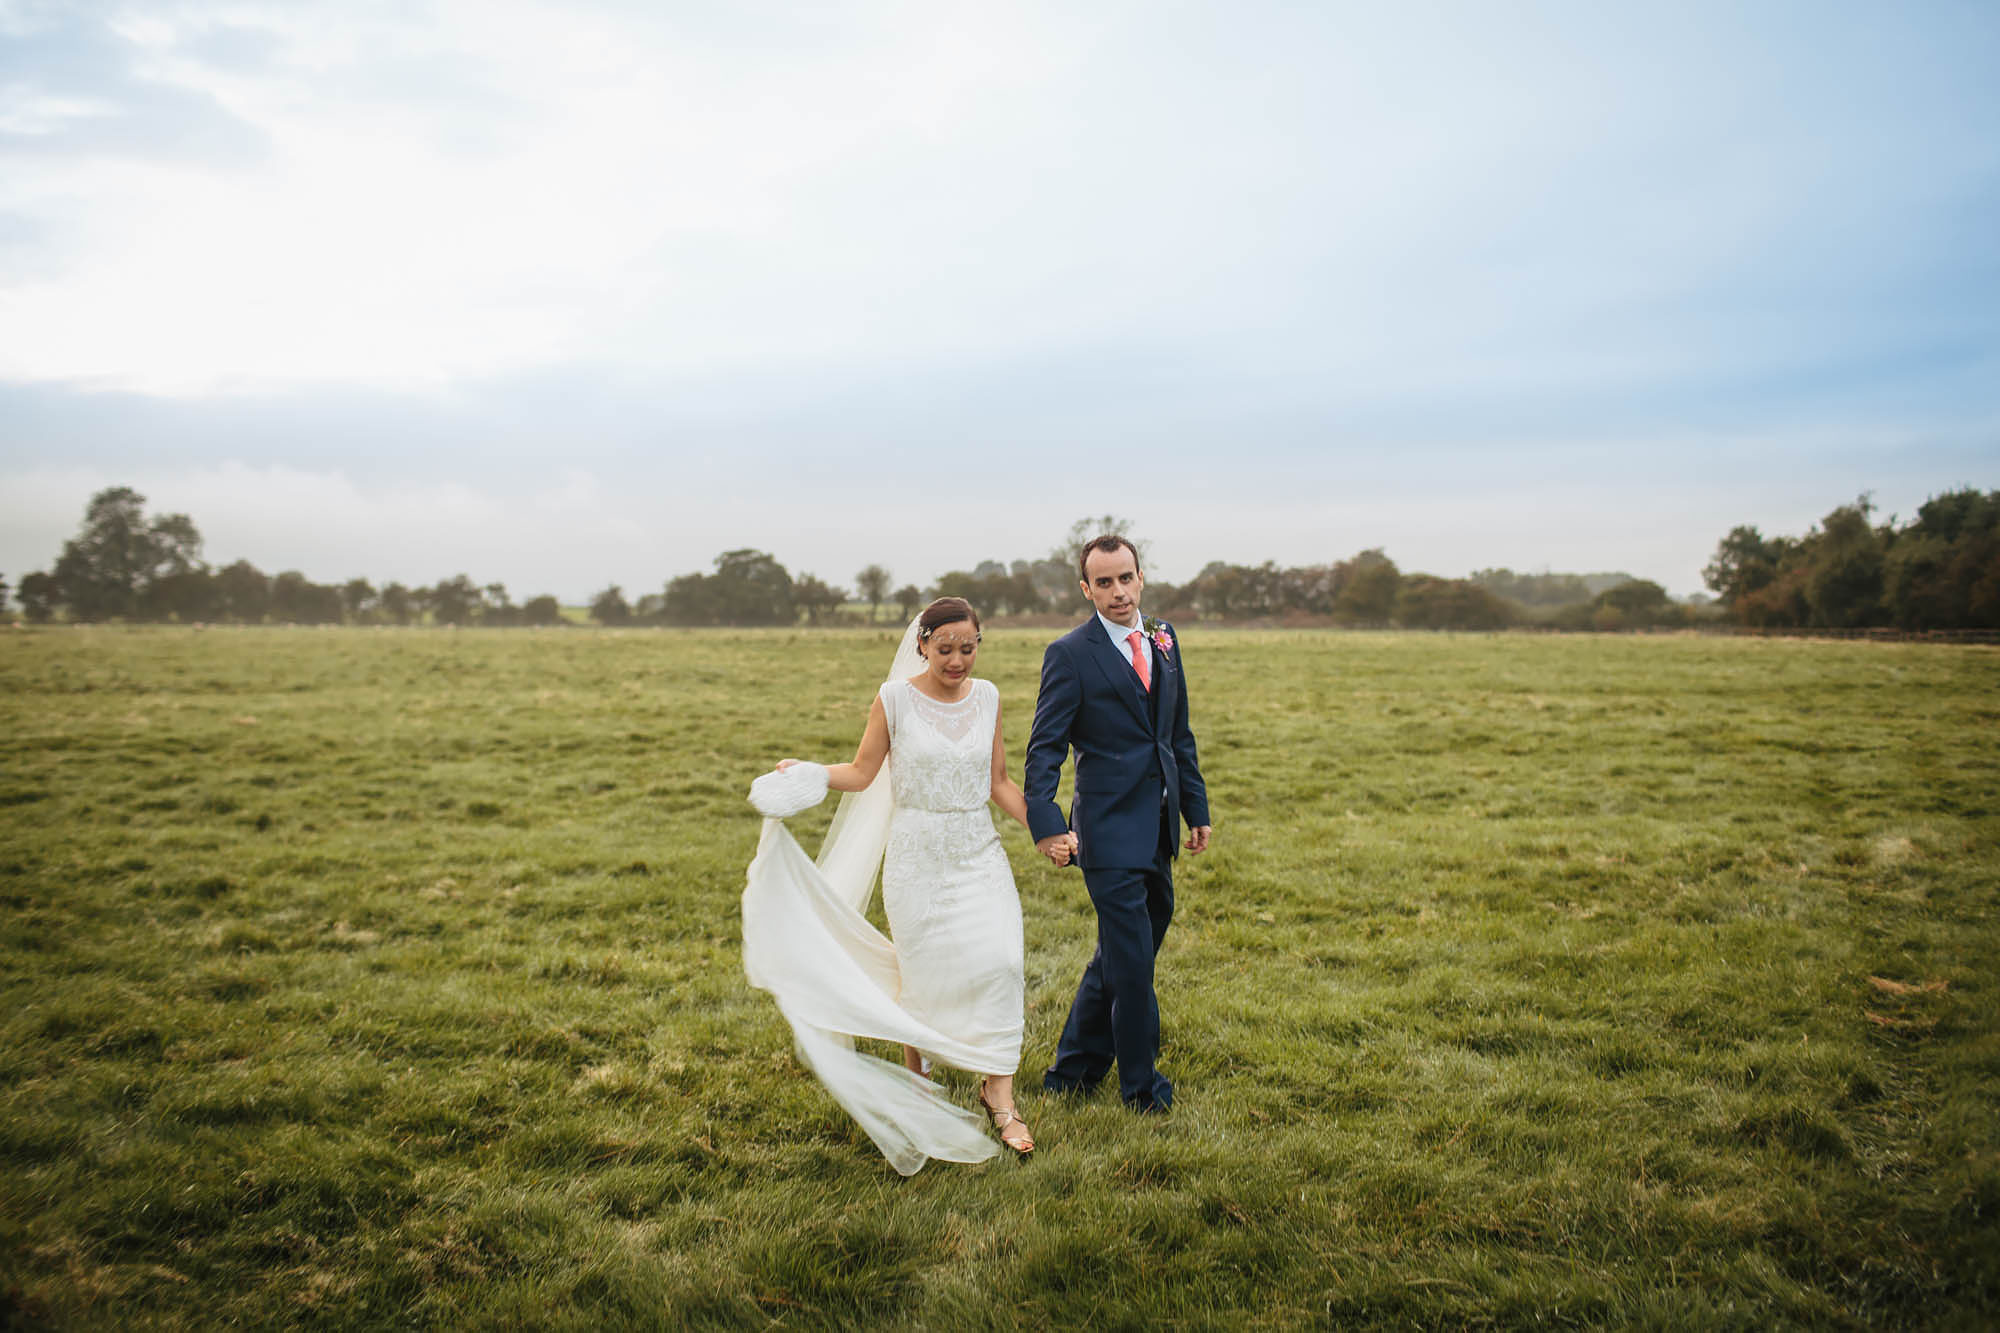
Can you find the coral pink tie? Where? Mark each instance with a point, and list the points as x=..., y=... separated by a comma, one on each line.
x=1139, y=661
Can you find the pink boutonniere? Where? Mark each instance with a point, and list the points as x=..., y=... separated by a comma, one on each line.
x=1157, y=632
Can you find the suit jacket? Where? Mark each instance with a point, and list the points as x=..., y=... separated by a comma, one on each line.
x=1129, y=745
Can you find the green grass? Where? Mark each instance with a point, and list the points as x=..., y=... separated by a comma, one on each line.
x=370, y=977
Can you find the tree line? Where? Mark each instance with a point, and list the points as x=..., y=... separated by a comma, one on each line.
x=1942, y=570
x=1367, y=589
x=125, y=566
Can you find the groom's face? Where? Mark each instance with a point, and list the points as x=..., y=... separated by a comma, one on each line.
x=1111, y=580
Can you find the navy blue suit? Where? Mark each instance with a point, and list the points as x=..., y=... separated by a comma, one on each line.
x=1137, y=778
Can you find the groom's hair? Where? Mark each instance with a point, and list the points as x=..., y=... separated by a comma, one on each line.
x=1108, y=543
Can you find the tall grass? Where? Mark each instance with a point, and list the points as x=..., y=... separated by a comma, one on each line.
x=363, y=978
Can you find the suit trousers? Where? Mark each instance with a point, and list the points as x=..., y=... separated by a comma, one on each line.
x=1115, y=1016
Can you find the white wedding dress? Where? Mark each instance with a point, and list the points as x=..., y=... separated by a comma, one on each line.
x=951, y=982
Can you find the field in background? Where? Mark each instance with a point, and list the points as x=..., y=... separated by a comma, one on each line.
x=392, y=976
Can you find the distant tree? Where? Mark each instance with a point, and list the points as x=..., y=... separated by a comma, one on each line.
x=103, y=570
x=1084, y=529
x=289, y=596
x=1782, y=601
x=1743, y=563
x=1633, y=604
x=1015, y=593
x=814, y=596
x=188, y=596
x=1162, y=598
x=1215, y=590
x=1844, y=585
x=244, y=592
x=992, y=588
x=1637, y=598
x=1943, y=570
x=38, y=597
x=958, y=583
x=1598, y=582
x=541, y=612
x=1054, y=580
x=1978, y=570
x=1235, y=592
x=324, y=606
x=751, y=588
x=1958, y=515
x=1367, y=584
x=452, y=601
x=873, y=584
x=1424, y=601
x=650, y=609
x=1917, y=587
x=1049, y=583
x=687, y=601
x=3, y=594
x=495, y=608
x=396, y=604
x=357, y=598
x=610, y=608
x=1300, y=590
x=1543, y=589
x=908, y=598
x=297, y=600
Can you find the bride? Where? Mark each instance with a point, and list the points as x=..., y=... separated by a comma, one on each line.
x=949, y=988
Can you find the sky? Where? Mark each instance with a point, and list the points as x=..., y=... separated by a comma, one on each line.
x=561, y=295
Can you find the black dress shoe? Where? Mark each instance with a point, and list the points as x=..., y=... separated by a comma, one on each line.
x=1156, y=1103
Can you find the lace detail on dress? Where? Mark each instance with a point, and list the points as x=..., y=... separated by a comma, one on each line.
x=941, y=754
x=949, y=720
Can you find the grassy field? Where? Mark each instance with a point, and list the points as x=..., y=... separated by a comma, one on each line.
x=392, y=977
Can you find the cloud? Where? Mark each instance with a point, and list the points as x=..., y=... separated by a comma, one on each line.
x=80, y=93
x=606, y=173
x=443, y=192
x=778, y=276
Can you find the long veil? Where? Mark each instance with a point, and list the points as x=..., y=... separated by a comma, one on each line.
x=835, y=976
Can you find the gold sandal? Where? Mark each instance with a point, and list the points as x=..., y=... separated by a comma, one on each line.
x=1002, y=1117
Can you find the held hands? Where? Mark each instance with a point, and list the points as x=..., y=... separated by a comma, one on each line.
x=1058, y=847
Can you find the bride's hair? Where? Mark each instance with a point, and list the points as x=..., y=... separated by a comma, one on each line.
x=945, y=611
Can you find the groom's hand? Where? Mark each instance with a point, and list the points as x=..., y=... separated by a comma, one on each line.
x=1198, y=839
x=1058, y=847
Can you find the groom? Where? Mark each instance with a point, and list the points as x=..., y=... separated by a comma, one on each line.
x=1112, y=690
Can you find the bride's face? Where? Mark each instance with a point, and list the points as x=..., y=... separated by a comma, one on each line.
x=950, y=652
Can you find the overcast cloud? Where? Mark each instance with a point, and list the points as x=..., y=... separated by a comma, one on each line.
x=563, y=295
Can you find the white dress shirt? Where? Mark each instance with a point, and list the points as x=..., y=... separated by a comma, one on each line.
x=1120, y=633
